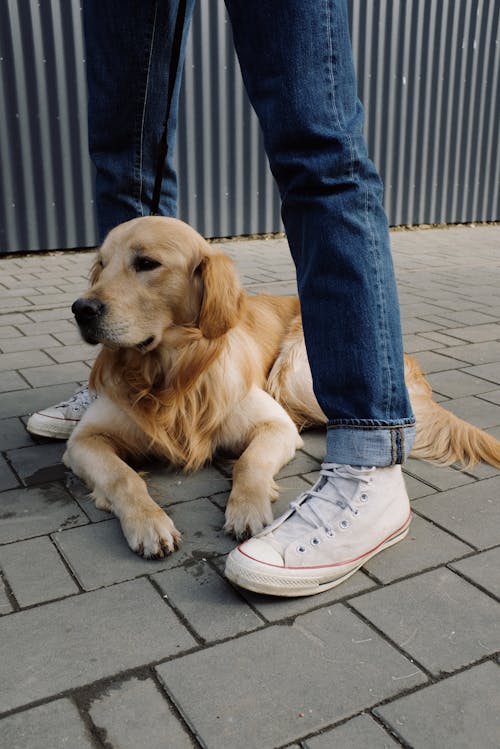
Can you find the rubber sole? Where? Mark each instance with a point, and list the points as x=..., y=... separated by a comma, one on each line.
x=59, y=429
x=292, y=583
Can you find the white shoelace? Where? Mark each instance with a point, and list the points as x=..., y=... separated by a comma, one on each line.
x=337, y=487
x=81, y=399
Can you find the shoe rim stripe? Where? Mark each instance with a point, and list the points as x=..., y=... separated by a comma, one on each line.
x=335, y=564
x=53, y=418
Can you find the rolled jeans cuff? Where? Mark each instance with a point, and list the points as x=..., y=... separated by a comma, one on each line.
x=369, y=443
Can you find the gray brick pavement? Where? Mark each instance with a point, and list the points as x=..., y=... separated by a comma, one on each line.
x=102, y=649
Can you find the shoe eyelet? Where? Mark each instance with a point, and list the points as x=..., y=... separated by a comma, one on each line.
x=363, y=498
x=315, y=541
x=301, y=549
x=344, y=524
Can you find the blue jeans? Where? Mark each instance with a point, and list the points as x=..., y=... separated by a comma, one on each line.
x=296, y=61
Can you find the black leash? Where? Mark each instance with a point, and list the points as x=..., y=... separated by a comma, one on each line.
x=172, y=75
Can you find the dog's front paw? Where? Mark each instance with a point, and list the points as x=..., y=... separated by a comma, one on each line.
x=245, y=518
x=151, y=533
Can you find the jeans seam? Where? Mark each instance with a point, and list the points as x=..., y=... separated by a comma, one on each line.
x=143, y=117
x=368, y=427
x=340, y=125
x=381, y=304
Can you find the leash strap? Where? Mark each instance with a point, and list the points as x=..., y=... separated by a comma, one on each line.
x=172, y=75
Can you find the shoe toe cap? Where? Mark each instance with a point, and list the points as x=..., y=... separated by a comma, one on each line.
x=261, y=551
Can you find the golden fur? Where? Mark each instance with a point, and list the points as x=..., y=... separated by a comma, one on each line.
x=190, y=365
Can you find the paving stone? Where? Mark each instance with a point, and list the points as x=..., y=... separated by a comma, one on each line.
x=301, y=463
x=23, y=402
x=490, y=372
x=30, y=328
x=329, y=664
x=482, y=569
x=13, y=434
x=425, y=546
x=99, y=555
x=470, y=512
x=134, y=714
x=483, y=470
x=21, y=359
x=7, y=478
x=35, y=571
x=14, y=318
x=68, y=337
x=6, y=332
x=5, y=604
x=485, y=352
x=492, y=396
x=440, y=477
x=208, y=603
x=431, y=361
x=476, y=410
x=416, y=488
x=274, y=608
x=32, y=512
x=39, y=463
x=437, y=618
x=64, y=354
x=413, y=344
x=412, y=325
x=458, y=713
x=457, y=384
x=477, y=333
x=166, y=486
x=85, y=638
x=56, y=725
x=59, y=313
x=11, y=381
x=81, y=494
x=13, y=303
x=315, y=443
x=28, y=343
x=52, y=374
x=361, y=732
x=443, y=339
x=469, y=317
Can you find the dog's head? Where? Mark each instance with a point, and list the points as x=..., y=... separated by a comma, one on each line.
x=151, y=275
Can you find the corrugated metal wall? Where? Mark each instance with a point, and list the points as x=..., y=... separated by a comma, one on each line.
x=428, y=74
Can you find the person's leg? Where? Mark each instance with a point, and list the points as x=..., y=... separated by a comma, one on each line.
x=128, y=46
x=297, y=65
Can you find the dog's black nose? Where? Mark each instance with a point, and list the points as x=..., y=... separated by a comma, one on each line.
x=87, y=309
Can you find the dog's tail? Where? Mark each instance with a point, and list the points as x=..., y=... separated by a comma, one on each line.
x=441, y=436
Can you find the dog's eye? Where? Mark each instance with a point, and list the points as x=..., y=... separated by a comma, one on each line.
x=142, y=263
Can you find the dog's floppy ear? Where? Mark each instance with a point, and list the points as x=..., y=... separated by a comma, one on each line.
x=222, y=295
x=95, y=271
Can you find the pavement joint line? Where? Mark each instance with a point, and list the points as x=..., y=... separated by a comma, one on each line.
x=10, y=594
x=414, y=475
x=415, y=511
x=173, y=707
x=67, y=566
x=178, y=613
x=185, y=718
x=380, y=632
x=467, y=579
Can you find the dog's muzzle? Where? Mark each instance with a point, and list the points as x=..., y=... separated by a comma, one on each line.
x=88, y=312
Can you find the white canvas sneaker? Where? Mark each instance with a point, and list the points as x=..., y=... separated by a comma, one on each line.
x=59, y=421
x=348, y=516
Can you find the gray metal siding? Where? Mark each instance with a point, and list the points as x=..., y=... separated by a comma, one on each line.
x=428, y=73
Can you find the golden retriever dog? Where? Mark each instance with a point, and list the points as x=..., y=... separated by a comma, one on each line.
x=191, y=365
